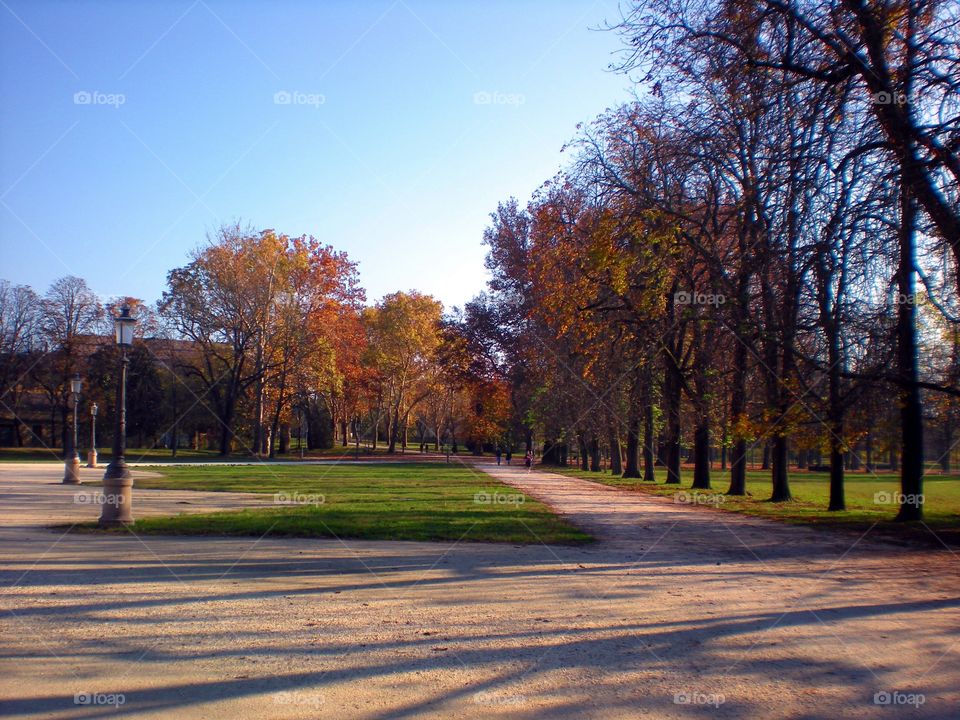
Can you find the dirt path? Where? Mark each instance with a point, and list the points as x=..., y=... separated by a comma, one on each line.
x=740, y=617
x=630, y=520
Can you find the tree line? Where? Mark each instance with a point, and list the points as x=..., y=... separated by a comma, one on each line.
x=761, y=249
x=259, y=338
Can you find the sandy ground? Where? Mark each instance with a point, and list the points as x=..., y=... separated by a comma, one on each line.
x=677, y=611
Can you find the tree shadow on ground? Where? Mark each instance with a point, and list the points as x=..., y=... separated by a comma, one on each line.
x=508, y=668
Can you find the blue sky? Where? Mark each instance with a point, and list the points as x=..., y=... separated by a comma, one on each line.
x=132, y=129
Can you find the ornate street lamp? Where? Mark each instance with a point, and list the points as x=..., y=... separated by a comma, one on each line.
x=71, y=465
x=117, y=480
x=92, y=455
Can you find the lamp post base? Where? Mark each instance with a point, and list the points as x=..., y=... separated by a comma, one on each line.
x=117, y=507
x=71, y=471
x=92, y=459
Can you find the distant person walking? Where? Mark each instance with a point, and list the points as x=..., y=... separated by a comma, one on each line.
x=509, y=455
x=528, y=460
x=498, y=456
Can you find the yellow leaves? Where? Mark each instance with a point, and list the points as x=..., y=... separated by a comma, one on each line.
x=489, y=405
x=403, y=333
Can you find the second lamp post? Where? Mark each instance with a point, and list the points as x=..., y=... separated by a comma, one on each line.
x=92, y=455
x=71, y=465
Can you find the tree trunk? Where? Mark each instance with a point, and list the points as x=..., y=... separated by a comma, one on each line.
x=781, y=483
x=837, y=498
x=671, y=401
x=947, y=443
x=53, y=424
x=738, y=389
x=648, y=466
x=594, y=454
x=701, y=455
x=911, y=410
x=258, y=433
x=224, y=441
x=65, y=430
x=616, y=466
x=633, y=446
x=226, y=436
x=584, y=455
x=835, y=422
x=802, y=456
x=392, y=431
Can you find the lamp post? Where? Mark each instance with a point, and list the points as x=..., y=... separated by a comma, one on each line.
x=71, y=465
x=117, y=480
x=92, y=455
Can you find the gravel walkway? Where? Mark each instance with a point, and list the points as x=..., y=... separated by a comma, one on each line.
x=677, y=611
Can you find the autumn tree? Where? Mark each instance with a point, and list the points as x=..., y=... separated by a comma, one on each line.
x=256, y=304
x=403, y=333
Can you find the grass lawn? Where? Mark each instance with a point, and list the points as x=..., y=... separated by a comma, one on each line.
x=405, y=501
x=868, y=499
